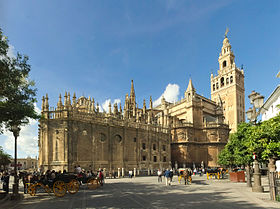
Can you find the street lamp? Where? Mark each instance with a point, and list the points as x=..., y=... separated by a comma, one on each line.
x=15, y=129
x=252, y=114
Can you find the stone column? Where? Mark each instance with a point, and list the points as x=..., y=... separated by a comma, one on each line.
x=134, y=172
x=119, y=172
x=122, y=172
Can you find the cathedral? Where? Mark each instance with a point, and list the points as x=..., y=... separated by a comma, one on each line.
x=190, y=132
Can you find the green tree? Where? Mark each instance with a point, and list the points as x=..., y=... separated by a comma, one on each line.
x=17, y=92
x=5, y=158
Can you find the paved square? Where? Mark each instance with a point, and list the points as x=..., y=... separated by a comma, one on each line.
x=146, y=192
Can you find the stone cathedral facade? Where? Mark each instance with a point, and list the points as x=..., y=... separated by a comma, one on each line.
x=189, y=132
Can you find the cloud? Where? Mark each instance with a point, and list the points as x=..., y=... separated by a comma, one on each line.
x=105, y=105
x=27, y=142
x=170, y=94
x=11, y=51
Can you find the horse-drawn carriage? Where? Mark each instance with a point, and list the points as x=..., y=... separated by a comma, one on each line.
x=59, y=185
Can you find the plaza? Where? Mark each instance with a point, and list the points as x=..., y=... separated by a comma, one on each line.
x=146, y=192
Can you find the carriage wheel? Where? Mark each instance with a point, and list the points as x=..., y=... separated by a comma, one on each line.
x=31, y=190
x=93, y=183
x=59, y=188
x=73, y=186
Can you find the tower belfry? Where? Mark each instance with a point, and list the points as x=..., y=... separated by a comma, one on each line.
x=228, y=86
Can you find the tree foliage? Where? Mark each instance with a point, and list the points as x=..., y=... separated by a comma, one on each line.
x=263, y=139
x=236, y=151
x=5, y=158
x=17, y=92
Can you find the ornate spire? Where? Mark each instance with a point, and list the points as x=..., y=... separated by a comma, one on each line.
x=43, y=104
x=151, y=103
x=120, y=108
x=97, y=107
x=190, y=86
x=59, y=104
x=47, y=103
x=68, y=99
x=65, y=99
x=132, y=93
x=144, y=106
x=110, y=110
x=74, y=99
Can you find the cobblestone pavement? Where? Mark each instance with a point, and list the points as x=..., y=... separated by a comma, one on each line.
x=146, y=192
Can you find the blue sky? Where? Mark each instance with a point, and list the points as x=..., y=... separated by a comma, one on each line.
x=95, y=48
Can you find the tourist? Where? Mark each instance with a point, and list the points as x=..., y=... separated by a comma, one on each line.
x=130, y=174
x=159, y=173
x=171, y=175
x=167, y=177
x=5, y=179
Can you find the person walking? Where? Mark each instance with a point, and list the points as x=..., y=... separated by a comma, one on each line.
x=167, y=177
x=159, y=173
x=5, y=179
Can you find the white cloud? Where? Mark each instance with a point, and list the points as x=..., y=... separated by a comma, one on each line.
x=11, y=51
x=27, y=142
x=105, y=105
x=170, y=94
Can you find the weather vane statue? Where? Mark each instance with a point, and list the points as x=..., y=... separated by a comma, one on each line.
x=226, y=33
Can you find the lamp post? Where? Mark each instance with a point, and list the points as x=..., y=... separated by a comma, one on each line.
x=15, y=130
x=252, y=114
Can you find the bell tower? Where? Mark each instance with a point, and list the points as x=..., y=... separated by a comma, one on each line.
x=228, y=86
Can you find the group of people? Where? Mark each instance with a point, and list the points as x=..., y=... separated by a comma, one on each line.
x=168, y=174
x=5, y=179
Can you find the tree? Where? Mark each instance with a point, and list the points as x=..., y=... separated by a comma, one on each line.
x=17, y=92
x=5, y=158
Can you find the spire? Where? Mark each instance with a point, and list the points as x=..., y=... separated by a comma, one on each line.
x=68, y=99
x=65, y=99
x=120, y=108
x=110, y=110
x=144, y=106
x=132, y=93
x=190, y=86
x=74, y=99
x=43, y=104
x=97, y=107
x=47, y=103
x=59, y=104
x=151, y=103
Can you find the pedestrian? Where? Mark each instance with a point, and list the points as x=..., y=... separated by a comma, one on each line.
x=171, y=175
x=167, y=177
x=130, y=174
x=5, y=179
x=159, y=173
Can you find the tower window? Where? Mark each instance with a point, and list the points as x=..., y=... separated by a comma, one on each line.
x=213, y=87
x=164, y=158
x=217, y=86
x=231, y=79
x=143, y=146
x=154, y=147
x=224, y=63
x=222, y=81
x=227, y=81
x=163, y=147
x=144, y=158
x=155, y=158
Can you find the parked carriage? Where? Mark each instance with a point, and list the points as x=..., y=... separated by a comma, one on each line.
x=59, y=186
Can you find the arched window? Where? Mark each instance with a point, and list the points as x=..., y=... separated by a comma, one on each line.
x=224, y=63
x=227, y=81
x=217, y=86
x=213, y=87
x=222, y=82
x=231, y=79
